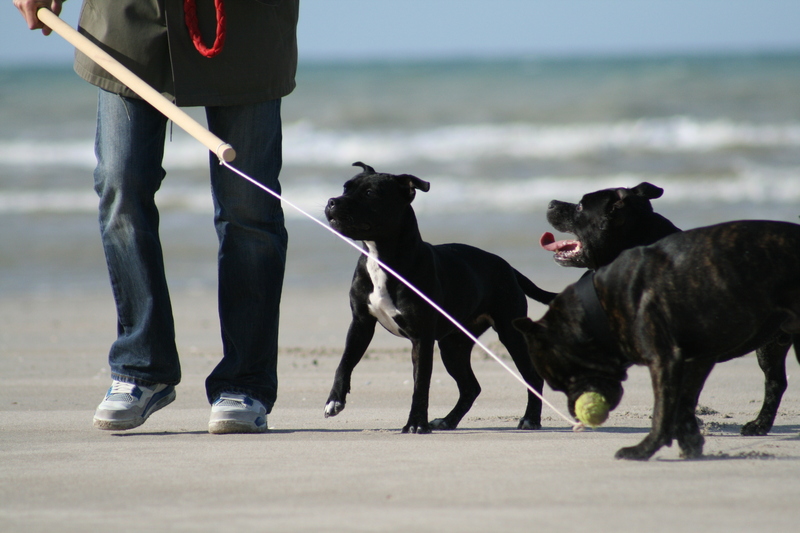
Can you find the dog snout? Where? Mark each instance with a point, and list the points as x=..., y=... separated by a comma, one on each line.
x=330, y=208
x=332, y=205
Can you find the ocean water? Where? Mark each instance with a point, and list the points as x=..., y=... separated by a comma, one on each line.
x=496, y=139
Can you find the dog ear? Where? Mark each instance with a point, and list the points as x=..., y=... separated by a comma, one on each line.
x=416, y=183
x=413, y=183
x=367, y=169
x=644, y=190
x=622, y=194
x=648, y=190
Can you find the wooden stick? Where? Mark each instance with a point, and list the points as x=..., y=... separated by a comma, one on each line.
x=223, y=150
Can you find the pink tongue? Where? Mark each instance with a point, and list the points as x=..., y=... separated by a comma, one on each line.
x=548, y=242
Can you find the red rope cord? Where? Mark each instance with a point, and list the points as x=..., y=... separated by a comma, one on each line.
x=190, y=16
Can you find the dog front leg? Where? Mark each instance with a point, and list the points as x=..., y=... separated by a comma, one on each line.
x=666, y=379
x=422, y=357
x=687, y=430
x=359, y=335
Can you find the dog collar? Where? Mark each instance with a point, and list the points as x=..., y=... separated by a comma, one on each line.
x=597, y=319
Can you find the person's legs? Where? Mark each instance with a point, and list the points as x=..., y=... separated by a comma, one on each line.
x=129, y=146
x=252, y=251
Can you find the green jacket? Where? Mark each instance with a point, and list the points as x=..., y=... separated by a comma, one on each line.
x=150, y=37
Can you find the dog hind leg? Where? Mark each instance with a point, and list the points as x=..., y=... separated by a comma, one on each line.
x=518, y=350
x=772, y=360
x=456, y=350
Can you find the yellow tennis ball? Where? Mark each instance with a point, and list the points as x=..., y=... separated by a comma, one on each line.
x=591, y=409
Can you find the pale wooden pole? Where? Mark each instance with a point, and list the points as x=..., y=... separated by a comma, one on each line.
x=223, y=150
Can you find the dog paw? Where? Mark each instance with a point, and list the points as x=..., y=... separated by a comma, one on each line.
x=754, y=429
x=441, y=423
x=333, y=408
x=691, y=453
x=634, y=453
x=420, y=429
x=691, y=445
x=525, y=423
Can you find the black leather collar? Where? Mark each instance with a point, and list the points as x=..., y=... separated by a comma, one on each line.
x=599, y=328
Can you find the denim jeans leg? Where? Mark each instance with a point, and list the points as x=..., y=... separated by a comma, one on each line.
x=252, y=250
x=129, y=146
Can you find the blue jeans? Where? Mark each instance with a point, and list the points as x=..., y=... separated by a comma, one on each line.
x=252, y=245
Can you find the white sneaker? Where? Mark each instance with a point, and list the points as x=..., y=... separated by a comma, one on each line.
x=237, y=413
x=128, y=405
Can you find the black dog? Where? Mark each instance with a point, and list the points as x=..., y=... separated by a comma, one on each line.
x=678, y=306
x=605, y=223
x=608, y=221
x=478, y=289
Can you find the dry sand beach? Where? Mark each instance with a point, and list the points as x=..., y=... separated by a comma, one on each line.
x=356, y=472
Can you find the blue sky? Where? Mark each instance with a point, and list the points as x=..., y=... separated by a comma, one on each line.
x=403, y=29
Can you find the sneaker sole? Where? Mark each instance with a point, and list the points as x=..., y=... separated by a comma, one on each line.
x=121, y=425
x=222, y=427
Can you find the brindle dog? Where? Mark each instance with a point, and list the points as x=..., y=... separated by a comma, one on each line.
x=608, y=221
x=678, y=306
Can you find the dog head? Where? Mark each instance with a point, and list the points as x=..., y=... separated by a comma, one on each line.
x=567, y=358
x=605, y=223
x=373, y=205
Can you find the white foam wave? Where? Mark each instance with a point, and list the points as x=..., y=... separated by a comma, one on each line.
x=451, y=195
x=307, y=145
x=184, y=153
x=194, y=199
x=755, y=186
x=464, y=143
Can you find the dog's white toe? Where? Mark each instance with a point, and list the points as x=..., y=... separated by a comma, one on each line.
x=333, y=408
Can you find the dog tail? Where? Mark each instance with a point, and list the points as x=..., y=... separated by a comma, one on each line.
x=532, y=291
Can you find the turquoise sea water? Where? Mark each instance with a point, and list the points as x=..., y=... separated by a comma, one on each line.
x=496, y=139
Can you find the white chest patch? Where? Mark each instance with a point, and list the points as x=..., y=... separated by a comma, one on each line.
x=380, y=303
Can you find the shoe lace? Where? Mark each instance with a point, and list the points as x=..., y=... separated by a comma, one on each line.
x=121, y=391
x=232, y=400
x=229, y=403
